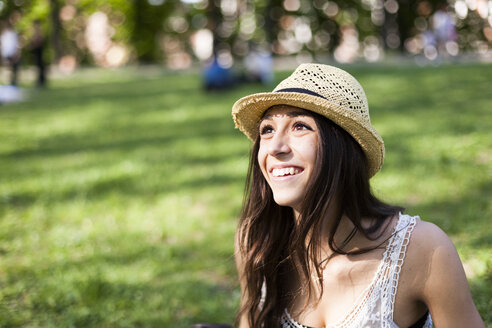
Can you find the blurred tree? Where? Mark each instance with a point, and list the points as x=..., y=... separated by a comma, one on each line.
x=405, y=20
x=214, y=19
x=56, y=29
x=147, y=24
x=157, y=30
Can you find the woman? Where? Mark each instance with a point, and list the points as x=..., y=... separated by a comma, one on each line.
x=314, y=247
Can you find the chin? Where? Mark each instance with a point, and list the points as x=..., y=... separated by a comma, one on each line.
x=286, y=200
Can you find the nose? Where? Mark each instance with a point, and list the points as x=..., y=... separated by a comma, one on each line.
x=279, y=144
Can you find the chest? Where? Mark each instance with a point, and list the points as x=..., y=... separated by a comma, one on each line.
x=346, y=281
x=360, y=286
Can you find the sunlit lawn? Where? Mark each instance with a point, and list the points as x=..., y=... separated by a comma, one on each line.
x=119, y=191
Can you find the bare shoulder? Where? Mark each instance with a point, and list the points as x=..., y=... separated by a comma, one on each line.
x=431, y=250
x=428, y=237
x=438, y=278
x=426, y=242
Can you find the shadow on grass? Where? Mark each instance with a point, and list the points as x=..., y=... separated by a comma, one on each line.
x=121, y=186
x=174, y=285
x=472, y=206
x=163, y=144
x=128, y=139
x=85, y=94
x=481, y=289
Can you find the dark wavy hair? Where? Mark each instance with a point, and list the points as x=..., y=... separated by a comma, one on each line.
x=271, y=241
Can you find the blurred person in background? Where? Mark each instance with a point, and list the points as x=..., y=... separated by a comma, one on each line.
x=10, y=50
x=36, y=46
x=258, y=65
x=217, y=76
x=444, y=29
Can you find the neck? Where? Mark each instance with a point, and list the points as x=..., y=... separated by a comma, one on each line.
x=297, y=215
x=328, y=227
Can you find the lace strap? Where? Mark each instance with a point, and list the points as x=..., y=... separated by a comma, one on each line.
x=394, y=258
x=286, y=321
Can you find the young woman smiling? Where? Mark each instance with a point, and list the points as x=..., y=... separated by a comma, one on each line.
x=314, y=246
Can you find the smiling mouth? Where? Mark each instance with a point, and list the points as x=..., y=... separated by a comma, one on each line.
x=286, y=171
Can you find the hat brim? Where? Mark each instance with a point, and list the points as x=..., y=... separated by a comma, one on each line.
x=248, y=111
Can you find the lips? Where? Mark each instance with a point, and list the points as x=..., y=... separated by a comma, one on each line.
x=285, y=171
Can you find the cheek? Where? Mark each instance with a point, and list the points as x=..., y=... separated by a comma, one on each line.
x=313, y=152
x=309, y=151
x=262, y=161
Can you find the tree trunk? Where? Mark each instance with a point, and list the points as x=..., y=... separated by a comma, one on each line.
x=214, y=18
x=56, y=29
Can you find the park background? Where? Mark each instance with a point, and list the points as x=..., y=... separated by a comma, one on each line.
x=122, y=179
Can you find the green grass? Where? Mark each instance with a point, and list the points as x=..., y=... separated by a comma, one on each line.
x=119, y=190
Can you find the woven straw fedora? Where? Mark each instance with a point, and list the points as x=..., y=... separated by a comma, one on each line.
x=323, y=89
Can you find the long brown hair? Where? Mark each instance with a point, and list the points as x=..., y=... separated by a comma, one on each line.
x=270, y=239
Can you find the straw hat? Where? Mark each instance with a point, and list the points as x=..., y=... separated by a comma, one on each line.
x=322, y=89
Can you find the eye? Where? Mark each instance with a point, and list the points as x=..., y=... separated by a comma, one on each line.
x=299, y=126
x=266, y=129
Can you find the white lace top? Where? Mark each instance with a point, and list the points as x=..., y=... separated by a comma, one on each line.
x=376, y=305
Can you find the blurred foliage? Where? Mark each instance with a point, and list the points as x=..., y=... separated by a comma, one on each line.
x=142, y=25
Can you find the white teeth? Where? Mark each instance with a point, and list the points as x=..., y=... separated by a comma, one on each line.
x=285, y=171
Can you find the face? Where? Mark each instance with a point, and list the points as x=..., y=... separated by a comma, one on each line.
x=287, y=153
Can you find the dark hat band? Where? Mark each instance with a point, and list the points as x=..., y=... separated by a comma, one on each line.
x=301, y=90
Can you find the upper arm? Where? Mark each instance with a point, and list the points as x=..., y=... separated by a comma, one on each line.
x=240, y=263
x=239, y=259
x=444, y=288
